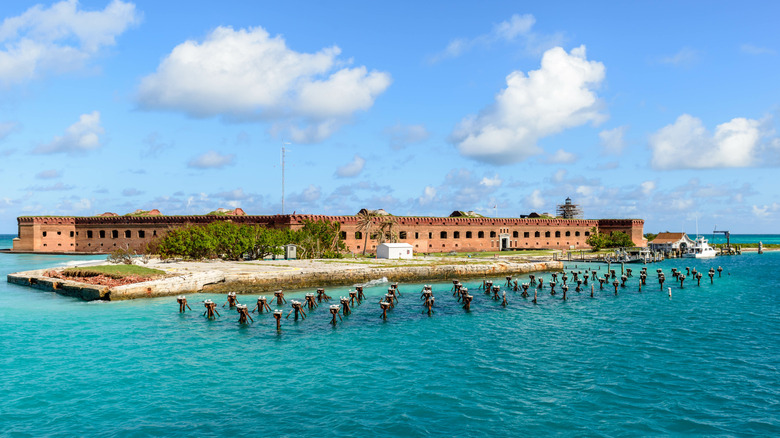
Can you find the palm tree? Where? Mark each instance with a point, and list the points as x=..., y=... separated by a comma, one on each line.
x=365, y=225
x=388, y=230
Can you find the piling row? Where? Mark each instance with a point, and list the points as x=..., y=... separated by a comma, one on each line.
x=579, y=279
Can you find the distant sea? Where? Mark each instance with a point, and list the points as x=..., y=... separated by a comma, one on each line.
x=703, y=362
x=742, y=238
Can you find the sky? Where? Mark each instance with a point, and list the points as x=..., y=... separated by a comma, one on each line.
x=664, y=111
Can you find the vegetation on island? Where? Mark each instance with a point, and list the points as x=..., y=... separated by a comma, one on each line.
x=615, y=239
x=230, y=241
x=386, y=227
x=112, y=271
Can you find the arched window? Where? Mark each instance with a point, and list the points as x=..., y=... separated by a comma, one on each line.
x=492, y=234
x=577, y=233
x=114, y=234
x=456, y=234
x=443, y=235
x=568, y=233
x=546, y=234
x=481, y=234
x=557, y=234
x=536, y=234
x=468, y=234
x=358, y=235
x=515, y=234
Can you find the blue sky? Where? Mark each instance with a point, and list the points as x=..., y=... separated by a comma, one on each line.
x=665, y=111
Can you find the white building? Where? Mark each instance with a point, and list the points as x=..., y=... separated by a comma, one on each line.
x=668, y=242
x=394, y=251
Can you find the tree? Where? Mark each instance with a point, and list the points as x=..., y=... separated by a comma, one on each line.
x=619, y=239
x=387, y=230
x=616, y=239
x=596, y=240
x=267, y=241
x=319, y=239
x=230, y=241
x=366, y=225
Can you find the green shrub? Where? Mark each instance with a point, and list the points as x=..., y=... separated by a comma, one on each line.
x=231, y=241
x=615, y=239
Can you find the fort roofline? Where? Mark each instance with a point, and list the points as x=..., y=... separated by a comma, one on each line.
x=100, y=234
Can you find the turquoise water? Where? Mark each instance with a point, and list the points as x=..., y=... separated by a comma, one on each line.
x=743, y=238
x=704, y=362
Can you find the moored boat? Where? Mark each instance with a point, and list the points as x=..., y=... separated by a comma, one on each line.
x=700, y=249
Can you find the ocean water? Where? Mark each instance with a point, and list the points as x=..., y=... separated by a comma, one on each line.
x=742, y=238
x=703, y=362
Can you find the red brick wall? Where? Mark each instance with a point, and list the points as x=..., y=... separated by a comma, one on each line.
x=424, y=233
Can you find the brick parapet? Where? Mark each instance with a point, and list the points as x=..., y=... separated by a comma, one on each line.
x=426, y=234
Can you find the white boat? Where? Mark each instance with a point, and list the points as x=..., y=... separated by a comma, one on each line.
x=700, y=249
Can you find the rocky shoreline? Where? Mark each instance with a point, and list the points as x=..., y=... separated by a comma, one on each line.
x=267, y=276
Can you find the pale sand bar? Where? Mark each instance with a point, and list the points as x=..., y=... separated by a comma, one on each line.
x=269, y=275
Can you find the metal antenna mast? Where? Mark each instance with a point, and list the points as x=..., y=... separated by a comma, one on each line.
x=283, y=151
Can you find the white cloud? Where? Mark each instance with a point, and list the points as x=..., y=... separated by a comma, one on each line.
x=401, y=136
x=211, y=160
x=246, y=74
x=686, y=144
x=493, y=182
x=79, y=137
x=58, y=39
x=612, y=140
x=48, y=174
x=682, y=204
x=764, y=211
x=558, y=96
x=463, y=190
x=429, y=194
x=76, y=205
x=308, y=195
x=352, y=168
x=686, y=57
x=586, y=190
x=132, y=191
x=232, y=195
x=56, y=187
x=518, y=27
x=647, y=187
x=559, y=175
x=561, y=157
x=6, y=128
x=535, y=199
x=750, y=49
x=610, y=165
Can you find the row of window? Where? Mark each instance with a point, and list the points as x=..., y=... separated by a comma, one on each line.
x=480, y=235
x=114, y=234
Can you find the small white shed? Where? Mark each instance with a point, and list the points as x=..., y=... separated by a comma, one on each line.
x=394, y=251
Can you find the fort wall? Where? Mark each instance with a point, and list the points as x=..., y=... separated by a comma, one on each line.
x=426, y=234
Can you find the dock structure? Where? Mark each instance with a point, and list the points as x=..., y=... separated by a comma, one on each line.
x=620, y=255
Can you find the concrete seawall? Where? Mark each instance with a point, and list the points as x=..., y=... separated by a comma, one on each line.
x=210, y=278
x=308, y=280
